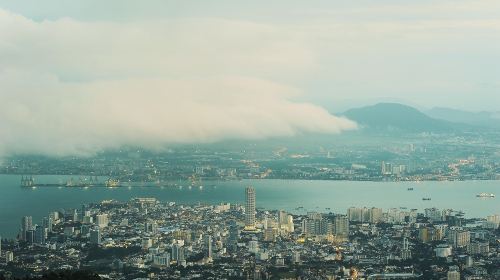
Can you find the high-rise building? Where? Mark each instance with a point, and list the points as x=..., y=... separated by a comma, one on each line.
x=355, y=214
x=95, y=236
x=453, y=273
x=54, y=216
x=362, y=214
x=177, y=253
x=315, y=224
x=85, y=230
x=253, y=246
x=83, y=209
x=405, y=251
x=282, y=218
x=87, y=220
x=48, y=223
x=386, y=168
x=234, y=236
x=26, y=225
x=102, y=220
x=74, y=215
x=30, y=236
x=290, y=224
x=296, y=257
x=493, y=221
x=250, y=209
x=270, y=234
x=9, y=257
x=458, y=237
x=376, y=215
x=208, y=246
x=151, y=226
x=162, y=260
x=443, y=251
x=434, y=214
x=69, y=231
x=424, y=234
x=270, y=223
x=367, y=215
x=478, y=248
x=40, y=234
x=439, y=232
x=341, y=226
x=184, y=235
x=314, y=215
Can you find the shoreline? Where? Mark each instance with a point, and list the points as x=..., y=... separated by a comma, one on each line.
x=184, y=180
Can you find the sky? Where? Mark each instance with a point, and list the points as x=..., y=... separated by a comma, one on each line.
x=77, y=76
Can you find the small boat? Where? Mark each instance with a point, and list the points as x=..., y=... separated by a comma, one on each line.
x=426, y=198
x=410, y=189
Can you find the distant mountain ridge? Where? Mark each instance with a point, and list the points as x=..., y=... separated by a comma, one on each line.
x=398, y=117
x=486, y=119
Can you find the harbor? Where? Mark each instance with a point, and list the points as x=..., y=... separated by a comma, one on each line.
x=95, y=182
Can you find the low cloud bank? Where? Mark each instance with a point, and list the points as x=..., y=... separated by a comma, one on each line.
x=75, y=88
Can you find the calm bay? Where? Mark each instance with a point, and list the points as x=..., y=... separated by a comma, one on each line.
x=322, y=196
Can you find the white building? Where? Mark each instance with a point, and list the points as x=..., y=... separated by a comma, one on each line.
x=458, y=237
x=9, y=257
x=443, y=251
x=102, y=220
x=253, y=246
x=162, y=260
x=250, y=208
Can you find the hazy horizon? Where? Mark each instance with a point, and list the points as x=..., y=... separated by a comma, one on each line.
x=81, y=76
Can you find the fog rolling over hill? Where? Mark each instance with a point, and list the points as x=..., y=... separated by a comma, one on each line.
x=394, y=119
x=399, y=118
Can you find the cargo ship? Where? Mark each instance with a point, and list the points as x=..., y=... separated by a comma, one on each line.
x=485, y=195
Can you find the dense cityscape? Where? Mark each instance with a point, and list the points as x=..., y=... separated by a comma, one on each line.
x=457, y=158
x=254, y=140
x=149, y=239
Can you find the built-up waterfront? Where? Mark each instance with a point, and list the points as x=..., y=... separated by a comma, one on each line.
x=289, y=195
x=150, y=239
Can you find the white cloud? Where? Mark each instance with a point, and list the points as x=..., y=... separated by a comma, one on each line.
x=69, y=87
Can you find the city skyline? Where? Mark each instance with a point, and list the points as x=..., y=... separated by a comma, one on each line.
x=271, y=238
